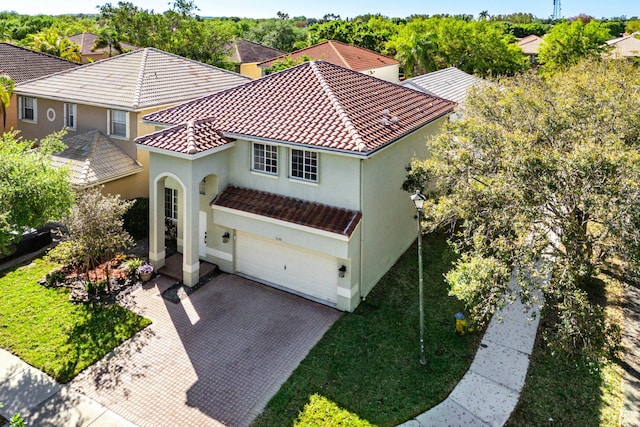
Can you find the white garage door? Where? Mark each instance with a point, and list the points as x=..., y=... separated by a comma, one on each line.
x=293, y=268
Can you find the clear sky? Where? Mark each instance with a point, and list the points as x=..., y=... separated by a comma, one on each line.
x=344, y=8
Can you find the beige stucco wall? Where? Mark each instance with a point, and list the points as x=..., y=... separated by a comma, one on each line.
x=390, y=73
x=338, y=178
x=389, y=223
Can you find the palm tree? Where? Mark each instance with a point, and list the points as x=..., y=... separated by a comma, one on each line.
x=7, y=87
x=417, y=54
x=108, y=38
x=51, y=42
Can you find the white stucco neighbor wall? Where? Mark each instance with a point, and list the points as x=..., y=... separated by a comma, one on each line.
x=390, y=73
x=389, y=223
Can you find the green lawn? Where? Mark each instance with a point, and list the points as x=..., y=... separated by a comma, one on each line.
x=560, y=392
x=44, y=329
x=366, y=367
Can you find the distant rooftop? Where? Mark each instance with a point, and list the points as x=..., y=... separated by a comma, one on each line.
x=345, y=55
x=245, y=51
x=136, y=80
x=449, y=83
x=22, y=64
x=88, y=40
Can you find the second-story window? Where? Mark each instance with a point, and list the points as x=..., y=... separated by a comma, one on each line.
x=70, y=113
x=265, y=158
x=304, y=165
x=118, y=123
x=28, y=108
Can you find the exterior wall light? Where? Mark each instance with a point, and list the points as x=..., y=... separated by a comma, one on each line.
x=342, y=270
x=225, y=237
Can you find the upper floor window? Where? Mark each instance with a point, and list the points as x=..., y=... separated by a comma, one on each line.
x=265, y=158
x=304, y=165
x=118, y=123
x=70, y=114
x=28, y=108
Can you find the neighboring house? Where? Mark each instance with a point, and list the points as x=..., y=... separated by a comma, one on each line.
x=294, y=179
x=111, y=96
x=89, y=54
x=627, y=47
x=348, y=56
x=449, y=83
x=23, y=64
x=530, y=45
x=246, y=55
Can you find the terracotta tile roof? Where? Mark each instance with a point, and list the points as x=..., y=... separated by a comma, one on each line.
x=297, y=211
x=87, y=40
x=23, y=64
x=245, y=51
x=93, y=158
x=342, y=54
x=316, y=104
x=449, y=83
x=192, y=137
x=135, y=80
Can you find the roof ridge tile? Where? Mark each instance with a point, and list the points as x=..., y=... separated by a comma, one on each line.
x=344, y=117
x=140, y=79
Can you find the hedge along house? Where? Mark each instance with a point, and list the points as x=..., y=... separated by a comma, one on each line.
x=293, y=180
x=101, y=104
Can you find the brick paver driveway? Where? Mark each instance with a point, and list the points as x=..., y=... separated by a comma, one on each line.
x=216, y=358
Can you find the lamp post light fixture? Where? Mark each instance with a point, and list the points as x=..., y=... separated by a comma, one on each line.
x=418, y=199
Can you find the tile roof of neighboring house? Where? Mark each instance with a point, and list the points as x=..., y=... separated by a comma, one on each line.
x=93, y=159
x=87, y=40
x=342, y=54
x=245, y=51
x=302, y=212
x=530, y=44
x=316, y=104
x=135, y=80
x=625, y=47
x=23, y=64
x=449, y=83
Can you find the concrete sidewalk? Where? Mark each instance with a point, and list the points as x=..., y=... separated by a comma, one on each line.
x=41, y=401
x=489, y=391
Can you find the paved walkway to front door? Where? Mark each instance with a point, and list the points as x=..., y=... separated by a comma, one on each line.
x=215, y=358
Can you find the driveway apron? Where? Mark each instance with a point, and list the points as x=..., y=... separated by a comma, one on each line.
x=214, y=359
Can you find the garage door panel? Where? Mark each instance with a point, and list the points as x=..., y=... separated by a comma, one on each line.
x=300, y=270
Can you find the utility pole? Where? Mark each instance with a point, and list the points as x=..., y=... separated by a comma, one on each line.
x=557, y=10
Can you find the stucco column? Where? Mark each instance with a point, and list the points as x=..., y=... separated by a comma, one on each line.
x=191, y=235
x=156, y=223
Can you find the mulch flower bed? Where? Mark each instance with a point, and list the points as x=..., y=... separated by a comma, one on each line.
x=104, y=284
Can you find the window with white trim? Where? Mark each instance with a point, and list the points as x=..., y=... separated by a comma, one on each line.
x=171, y=203
x=118, y=123
x=28, y=108
x=70, y=114
x=265, y=158
x=304, y=165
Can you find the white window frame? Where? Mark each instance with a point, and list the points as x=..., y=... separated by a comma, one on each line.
x=308, y=157
x=71, y=115
x=269, y=155
x=110, y=123
x=22, y=105
x=171, y=203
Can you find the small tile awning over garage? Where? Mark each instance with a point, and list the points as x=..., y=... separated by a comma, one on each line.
x=297, y=211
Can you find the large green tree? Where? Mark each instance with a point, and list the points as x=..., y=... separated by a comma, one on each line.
x=569, y=42
x=7, y=86
x=51, y=42
x=541, y=164
x=32, y=191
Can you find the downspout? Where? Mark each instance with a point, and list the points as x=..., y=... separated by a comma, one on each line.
x=362, y=297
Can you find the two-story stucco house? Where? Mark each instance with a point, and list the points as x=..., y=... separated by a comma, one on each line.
x=101, y=105
x=293, y=180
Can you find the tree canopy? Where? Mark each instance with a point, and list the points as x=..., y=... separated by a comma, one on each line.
x=32, y=191
x=569, y=42
x=535, y=164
